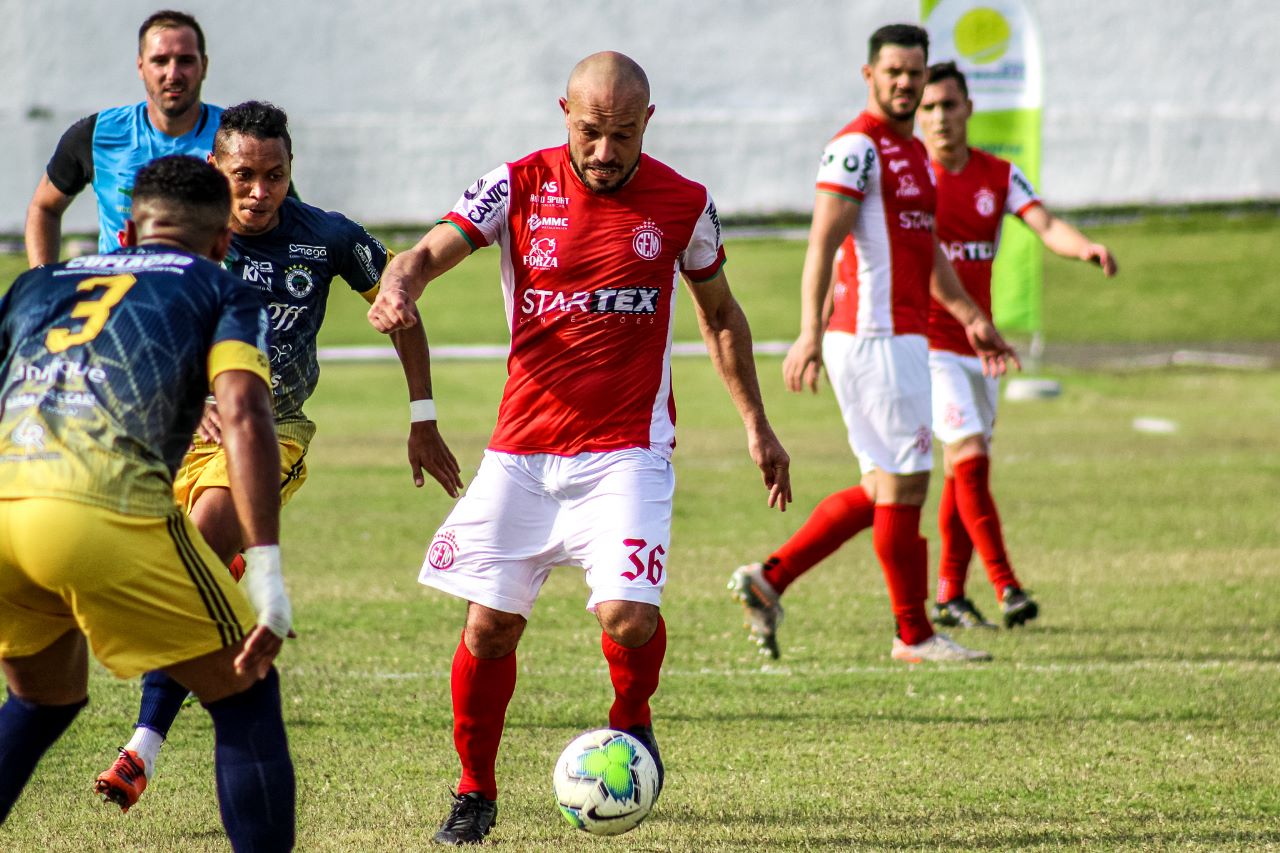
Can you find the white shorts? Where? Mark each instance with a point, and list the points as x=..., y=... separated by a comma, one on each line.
x=882, y=386
x=522, y=515
x=964, y=401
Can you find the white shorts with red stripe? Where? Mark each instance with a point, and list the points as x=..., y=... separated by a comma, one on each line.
x=522, y=515
x=964, y=401
x=882, y=386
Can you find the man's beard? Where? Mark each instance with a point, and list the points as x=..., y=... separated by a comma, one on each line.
x=622, y=182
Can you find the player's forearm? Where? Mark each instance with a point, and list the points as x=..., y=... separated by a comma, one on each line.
x=1062, y=238
x=728, y=339
x=415, y=360
x=815, y=285
x=43, y=235
x=253, y=459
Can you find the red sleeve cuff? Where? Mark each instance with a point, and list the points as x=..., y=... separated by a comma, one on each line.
x=467, y=227
x=709, y=272
x=841, y=190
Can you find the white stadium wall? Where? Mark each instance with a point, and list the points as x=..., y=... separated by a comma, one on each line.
x=396, y=106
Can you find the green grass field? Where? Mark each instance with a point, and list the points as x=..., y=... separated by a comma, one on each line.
x=1139, y=712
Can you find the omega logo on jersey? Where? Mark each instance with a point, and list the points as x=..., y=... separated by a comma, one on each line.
x=985, y=202
x=609, y=300
x=907, y=186
x=485, y=204
x=915, y=220
x=301, y=250
x=557, y=222
x=298, y=281
x=646, y=240
x=969, y=251
x=542, y=254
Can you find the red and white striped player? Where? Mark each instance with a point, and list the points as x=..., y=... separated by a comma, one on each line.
x=876, y=188
x=594, y=236
x=975, y=191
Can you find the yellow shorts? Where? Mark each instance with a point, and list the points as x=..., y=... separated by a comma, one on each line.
x=205, y=467
x=146, y=592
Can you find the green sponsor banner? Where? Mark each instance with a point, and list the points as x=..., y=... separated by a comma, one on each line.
x=994, y=42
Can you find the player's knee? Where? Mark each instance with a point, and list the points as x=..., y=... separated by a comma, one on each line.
x=492, y=633
x=628, y=623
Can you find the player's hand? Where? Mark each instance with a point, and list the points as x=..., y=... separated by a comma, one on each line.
x=774, y=463
x=259, y=652
x=429, y=453
x=995, y=352
x=1096, y=253
x=210, y=427
x=803, y=363
x=392, y=310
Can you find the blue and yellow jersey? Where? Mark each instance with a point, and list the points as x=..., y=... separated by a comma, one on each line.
x=106, y=362
x=291, y=267
x=106, y=150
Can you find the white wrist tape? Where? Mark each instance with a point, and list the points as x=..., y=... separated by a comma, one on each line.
x=422, y=410
x=264, y=585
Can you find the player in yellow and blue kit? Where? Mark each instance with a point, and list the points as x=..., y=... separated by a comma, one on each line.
x=105, y=362
x=286, y=253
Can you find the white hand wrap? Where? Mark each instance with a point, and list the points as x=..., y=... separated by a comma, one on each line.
x=264, y=585
x=422, y=410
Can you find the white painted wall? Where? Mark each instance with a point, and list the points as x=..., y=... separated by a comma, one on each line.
x=398, y=105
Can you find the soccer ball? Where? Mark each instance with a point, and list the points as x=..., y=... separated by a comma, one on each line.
x=606, y=782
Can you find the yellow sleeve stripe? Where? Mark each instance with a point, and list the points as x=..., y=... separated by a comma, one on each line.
x=237, y=355
x=372, y=293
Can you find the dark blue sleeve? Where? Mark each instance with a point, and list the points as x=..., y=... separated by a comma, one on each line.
x=70, y=168
x=359, y=257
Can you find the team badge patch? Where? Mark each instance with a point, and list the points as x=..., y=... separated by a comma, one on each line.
x=985, y=202
x=298, y=281
x=646, y=240
x=442, y=551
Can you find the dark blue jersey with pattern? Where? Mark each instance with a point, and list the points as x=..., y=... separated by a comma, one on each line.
x=291, y=267
x=108, y=148
x=106, y=362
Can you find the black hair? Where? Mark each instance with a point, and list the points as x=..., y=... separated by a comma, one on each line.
x=253, y=118
x=189, y=189
x=901, y=35
x=949, y=71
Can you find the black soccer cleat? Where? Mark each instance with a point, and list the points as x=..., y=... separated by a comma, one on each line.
x=644, y=734
x=1018, y=607
x=959, y=612
x=469, y=821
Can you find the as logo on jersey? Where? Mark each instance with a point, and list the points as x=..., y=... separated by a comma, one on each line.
x=646, y=240
x=542, y=254
x=298, y=281
x=984, y=201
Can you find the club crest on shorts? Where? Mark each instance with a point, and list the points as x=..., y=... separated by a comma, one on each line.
x=442, y=551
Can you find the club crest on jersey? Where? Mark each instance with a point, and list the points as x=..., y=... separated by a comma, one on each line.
x=985, y=202
x=542, y=254
x=646, y=240
x=298, y=281
x=442, y=551
x=907, y=187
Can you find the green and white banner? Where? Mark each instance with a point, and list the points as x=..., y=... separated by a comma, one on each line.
x=996, y=45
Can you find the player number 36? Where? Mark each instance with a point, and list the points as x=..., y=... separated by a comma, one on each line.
x=650, y=566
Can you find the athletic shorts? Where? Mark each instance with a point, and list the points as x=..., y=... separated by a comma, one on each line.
x=608, y=513
x=205, y=467
x=882, y=386
x=147, y=592
x=964, y=401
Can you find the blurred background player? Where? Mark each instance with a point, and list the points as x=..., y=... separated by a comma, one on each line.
x=286, y=253
x=875, y=189
x=578, y=472
x=975, y=191
x=106, y=362
x=107, y=148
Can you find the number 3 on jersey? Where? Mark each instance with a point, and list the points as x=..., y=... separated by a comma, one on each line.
x=93, y=311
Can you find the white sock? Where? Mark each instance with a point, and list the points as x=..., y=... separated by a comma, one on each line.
x=146, y=742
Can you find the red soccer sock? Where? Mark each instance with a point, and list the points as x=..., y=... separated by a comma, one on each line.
x=982, y=521
x=957, y=547
x=904, y=557
x=835, y=520
x=481, y=690
x=634, y=673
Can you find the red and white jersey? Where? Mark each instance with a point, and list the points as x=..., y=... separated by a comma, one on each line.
x=589, y=282
x=882, y=285
x=971, y=209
